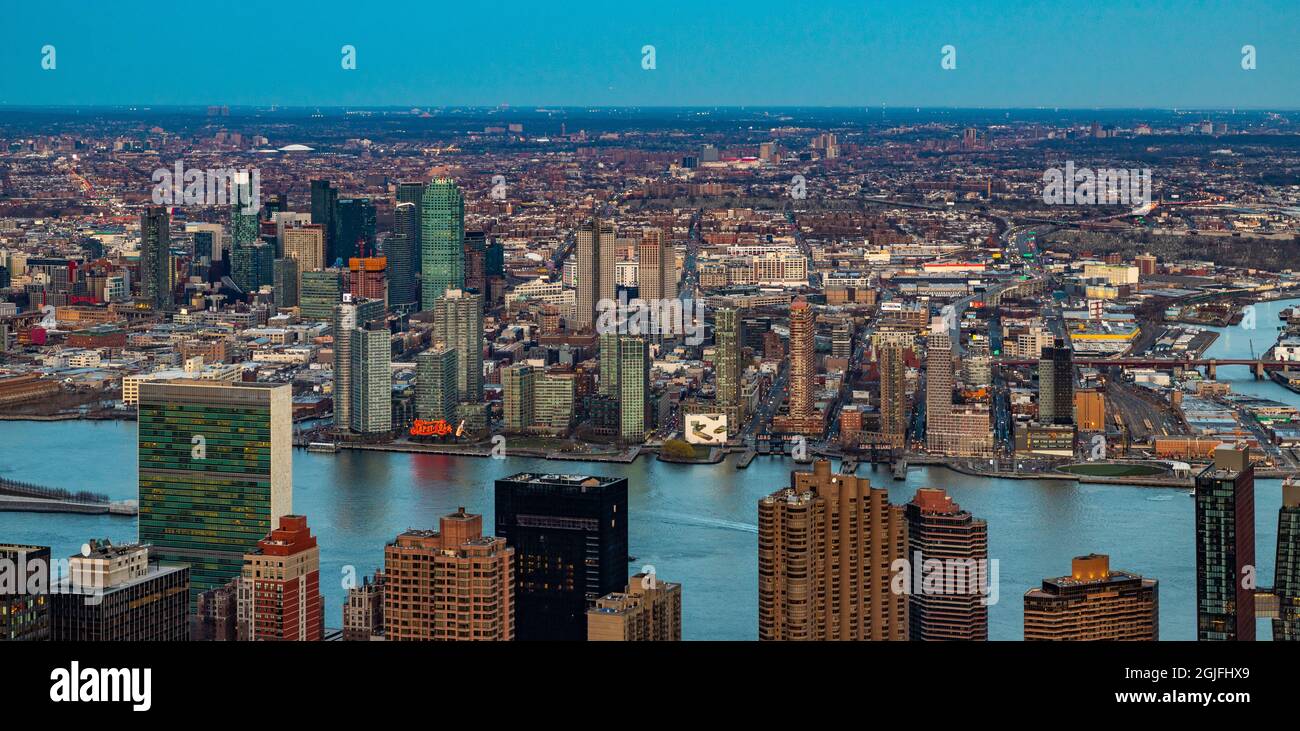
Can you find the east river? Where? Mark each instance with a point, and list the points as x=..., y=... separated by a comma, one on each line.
x=696, y=524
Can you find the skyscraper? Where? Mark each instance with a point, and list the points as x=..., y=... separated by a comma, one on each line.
x=595, y=255
x=401, y=250
x=826, y=547
x=252, y=265
x=939, y=530
x=475, y=260
x=633, y=388
x=321, y=292
x=356, y=229
x=517, y=397
x=608, y=363
x=648, y=610
x=25, y=605
x=1225, y=546
x=1093, y=603
x=115, y=594
x=413, y=193
x=656, y=266
x=458, y=323
x=442, y=241
x=348, y=316
x=285, y=287
x=728, y=339
x=951, y=430
x=803, y=417
x=1286, y=569
x=279, y=591
x=569, y=533
x=1056, y=385
x=306, y=245
x=324, y=213
x=216, y=472
x=155, y=257
x=893, y=393
x=372, y=379
x=450, y=584
x=436, y=385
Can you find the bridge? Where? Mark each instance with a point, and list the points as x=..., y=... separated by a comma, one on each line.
x=1258, y=366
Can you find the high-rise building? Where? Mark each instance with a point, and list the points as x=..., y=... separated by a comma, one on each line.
x=216, y=472
x=115, y=594
x=25, y=605
x=728, y=336
x=155, y=257
x=442, y=241
x=609, y=349
x=356, y=230
x=306, y=245
x=436, y=384
x=656, y=266
x=458, y=323
x=826, y=549
x=350, y=315
x=569, y=533
x=285, y=287
x=402, y=251
x=1056, y=385
x=450, y=584
x=949, y=430
x=475, y=261
x=939, y=530
x=252, y=264
x=325, y=213
x=893, y=393
x=633, y=388
x=320, y=293
x=279, y=591
x=372, y=379
x=1225, y=546
x=413, y=193
x=368, y=278
x=1286, y=576
x=215, y=617
x=803, y=417
x=595, y=255
x=1093, y=603
x=648, y=610
x=517, y=397
x=1089, y=410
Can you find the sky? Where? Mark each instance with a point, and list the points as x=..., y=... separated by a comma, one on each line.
x=1009, y=53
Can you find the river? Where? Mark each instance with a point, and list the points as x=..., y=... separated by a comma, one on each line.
x=696, y=524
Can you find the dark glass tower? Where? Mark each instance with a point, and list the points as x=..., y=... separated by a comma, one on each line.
x=1225, y=547
x=155, y=258
x=569, y=533
x=1286, y=579
x=25, y=607
x=356, y=230
x=402, y=251
x=413, y=193
x=324, y=211
x=1056, y=385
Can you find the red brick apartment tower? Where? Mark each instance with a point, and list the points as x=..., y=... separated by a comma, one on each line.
x=450, y=584
x=280, y=597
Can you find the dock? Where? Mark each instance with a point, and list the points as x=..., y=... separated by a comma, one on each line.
x=745, y=459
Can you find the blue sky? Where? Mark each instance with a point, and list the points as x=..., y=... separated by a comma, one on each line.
x=1081, y=54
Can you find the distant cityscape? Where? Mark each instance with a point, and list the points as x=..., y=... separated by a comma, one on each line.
x=1064, y=297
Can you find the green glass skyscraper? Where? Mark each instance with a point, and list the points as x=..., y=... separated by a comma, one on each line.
x=442, y=241
x=216, y=472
